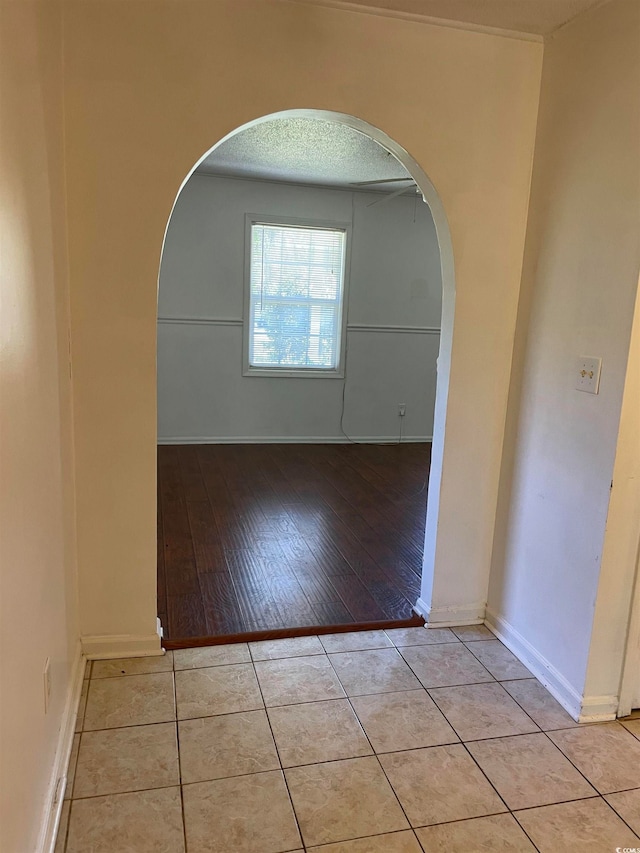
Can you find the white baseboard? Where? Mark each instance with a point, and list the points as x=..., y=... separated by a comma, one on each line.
x=105, y=646
x=598, y=709
x=584, y=709
x=446, y=617
x=293, y=439
x=58, y=778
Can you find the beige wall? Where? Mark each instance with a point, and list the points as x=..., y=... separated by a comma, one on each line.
x=579, y=284
x=150, y=88
x=621, y=555
x=37, y=565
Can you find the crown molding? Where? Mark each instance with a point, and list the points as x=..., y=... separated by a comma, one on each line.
x=467, y=26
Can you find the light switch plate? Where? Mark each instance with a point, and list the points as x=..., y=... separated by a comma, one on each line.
x=588, y=374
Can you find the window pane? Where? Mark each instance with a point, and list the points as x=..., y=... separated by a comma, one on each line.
x=296, y=291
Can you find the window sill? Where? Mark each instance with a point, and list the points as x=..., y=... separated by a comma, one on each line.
x=292, y=373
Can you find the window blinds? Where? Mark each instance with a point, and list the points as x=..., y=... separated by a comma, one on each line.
x=296, y=293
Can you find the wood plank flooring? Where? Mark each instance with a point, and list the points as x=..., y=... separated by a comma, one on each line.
x=266, y=537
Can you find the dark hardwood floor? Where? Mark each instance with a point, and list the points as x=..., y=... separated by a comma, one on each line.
x=272, y=536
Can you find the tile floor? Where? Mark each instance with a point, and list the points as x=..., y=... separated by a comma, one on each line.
x=399, y=742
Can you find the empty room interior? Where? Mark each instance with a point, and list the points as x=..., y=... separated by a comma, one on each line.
x=320, y=426
x=299, y=316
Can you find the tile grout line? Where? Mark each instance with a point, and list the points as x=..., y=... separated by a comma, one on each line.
x=541, y=731
x=395, y=794
x=509, y=811
x=492, y=680
x=284, y=775
x=177, y=733
x=597, y=794
x=562, y=752
x=521, y=678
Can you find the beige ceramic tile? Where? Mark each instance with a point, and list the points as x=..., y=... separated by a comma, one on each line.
x=71, y=769
x=217, y=690
x=420, y=636
x=482, y=711
x=539, y=704
x=292, y=647
x=373, y=671
x=470, y=633
x=245, y=814
x=130, y=759
x=500, y=662
x=131, y=701
x=355, y=641
x=82, y=705
x=226, y=745
x=390, y=842
x=528, y=770
x=61, y=837
x=627, y=804
x=144, y=822
x=318, y=731
x=633, y=726
x=292, y=680
x=132, y=666
x=406, y=720
x=607, y=754
x=440, y=784
x=342, y=800
x=481, y=835
x=211, y=656
x=445, y=665
x=589, y=826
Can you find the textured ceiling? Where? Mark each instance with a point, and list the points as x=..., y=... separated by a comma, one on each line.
x=304, y=150
x=537, y=17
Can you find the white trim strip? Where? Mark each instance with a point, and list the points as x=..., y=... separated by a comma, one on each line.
x=293, y=439
x=58, y=775
x=584, y=709
x=200, y=321
x=445, y=617
x=105, y=646
x=399, y=330
x=469, y=26
x=351, y=327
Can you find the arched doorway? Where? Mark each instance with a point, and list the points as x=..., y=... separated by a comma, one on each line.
x=417, y=176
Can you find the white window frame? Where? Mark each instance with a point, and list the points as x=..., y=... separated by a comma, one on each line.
x=299, y=372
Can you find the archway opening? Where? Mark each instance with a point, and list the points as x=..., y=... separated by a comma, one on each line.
x=305, y=299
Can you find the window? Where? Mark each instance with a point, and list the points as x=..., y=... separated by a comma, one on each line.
x=296, y=291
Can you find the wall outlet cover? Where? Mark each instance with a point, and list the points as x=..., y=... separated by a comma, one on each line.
x=588, y=374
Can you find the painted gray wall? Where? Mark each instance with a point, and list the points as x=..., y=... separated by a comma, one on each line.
x=394, y=281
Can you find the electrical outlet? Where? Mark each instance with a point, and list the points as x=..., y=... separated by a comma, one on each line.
x=402, y=409
x=46, y=674
x=588, y=374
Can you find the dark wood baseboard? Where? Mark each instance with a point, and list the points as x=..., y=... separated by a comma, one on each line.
x=283, y=633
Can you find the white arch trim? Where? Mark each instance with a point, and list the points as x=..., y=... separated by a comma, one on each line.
x=431, y=197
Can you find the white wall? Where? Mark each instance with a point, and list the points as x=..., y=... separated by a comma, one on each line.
x=149, y=90
x=579, y=283
x=38, y=592
x=394, y=280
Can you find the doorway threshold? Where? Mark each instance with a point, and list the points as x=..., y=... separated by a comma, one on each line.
x=286, y=633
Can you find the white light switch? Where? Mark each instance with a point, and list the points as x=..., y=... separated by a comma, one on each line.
x=588, y=374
